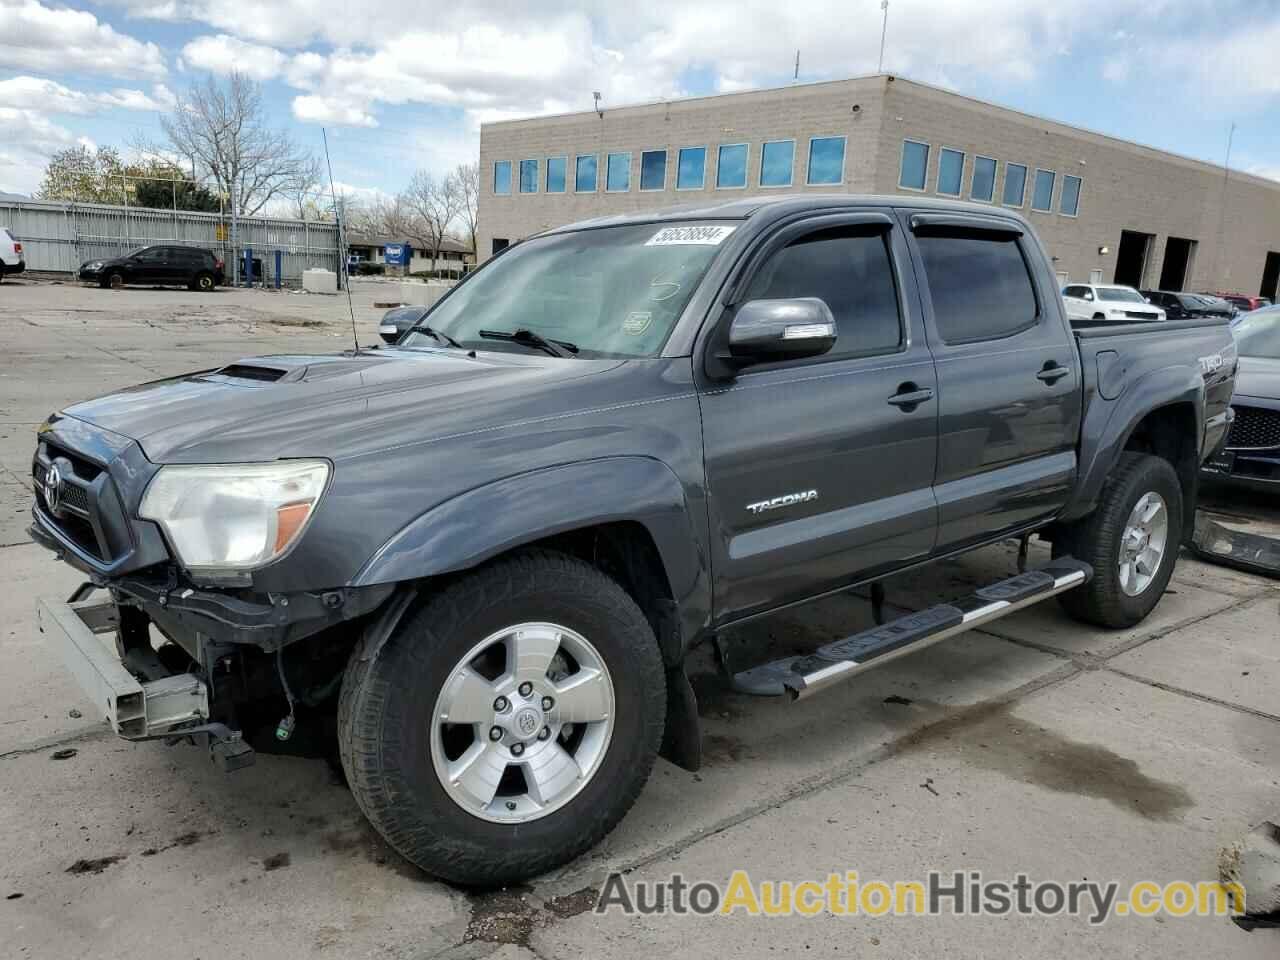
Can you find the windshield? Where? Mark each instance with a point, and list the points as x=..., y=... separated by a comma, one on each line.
x=1258, y=334
x=612, y=292
x=1120, y=293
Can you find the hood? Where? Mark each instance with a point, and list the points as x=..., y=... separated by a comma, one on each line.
x=1258, y=377
x=335, y=406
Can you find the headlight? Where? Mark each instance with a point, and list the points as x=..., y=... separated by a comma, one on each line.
x=234, y=516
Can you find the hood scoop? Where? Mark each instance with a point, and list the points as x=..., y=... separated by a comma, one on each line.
x=249, y=371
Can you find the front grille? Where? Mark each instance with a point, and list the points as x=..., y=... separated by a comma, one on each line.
x=1141, y=314
x=1254, y=428
x=84, y=469
x=83, y=495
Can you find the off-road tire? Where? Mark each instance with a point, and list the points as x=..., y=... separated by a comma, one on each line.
x=386, y=706
x=1096, y=540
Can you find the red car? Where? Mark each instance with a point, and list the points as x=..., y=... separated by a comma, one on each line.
x=1243, y=301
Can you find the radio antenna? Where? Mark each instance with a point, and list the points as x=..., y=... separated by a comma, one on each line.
x=342, y=241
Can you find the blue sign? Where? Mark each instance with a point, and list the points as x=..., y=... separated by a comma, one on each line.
x=397, y=254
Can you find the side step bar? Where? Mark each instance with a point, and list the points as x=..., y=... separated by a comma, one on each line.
x=800, y=676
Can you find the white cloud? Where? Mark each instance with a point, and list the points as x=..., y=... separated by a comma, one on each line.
x=50, y=97
x=51, y=40
x=313, y=109
x=26, y=140
x=223, y=53
x=1116, y=69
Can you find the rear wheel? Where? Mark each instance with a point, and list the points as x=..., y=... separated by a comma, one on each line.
x=202, y=281
x=508, y=723
x=1131, y=540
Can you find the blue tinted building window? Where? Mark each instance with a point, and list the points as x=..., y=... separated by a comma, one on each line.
x=584, y=174
x=1042, y=195
x=777, y=158
x=1015, y=184
x=502, y=177
x=617, y=176
x=983, y=186
x=653, y=170
x=691, y=168
x=915, y=165
x=826, y=160
x=950, y=172
x=556, y=174
x=731, y=168
x=528, y=176
x=1070, y=202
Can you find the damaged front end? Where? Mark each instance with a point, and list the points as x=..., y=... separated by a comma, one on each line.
x=163, y=653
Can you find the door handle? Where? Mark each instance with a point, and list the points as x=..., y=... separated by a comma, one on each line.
x=909, y=398
x=1052, y=373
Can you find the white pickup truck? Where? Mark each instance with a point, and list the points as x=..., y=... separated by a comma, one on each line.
x=1096, y=301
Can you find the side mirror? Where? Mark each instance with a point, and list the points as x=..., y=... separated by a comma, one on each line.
x=781, y=330
x=397, y=320
x=1088, y=295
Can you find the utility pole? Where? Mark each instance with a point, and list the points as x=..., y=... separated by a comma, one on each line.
x=884, y=28
x=796, y=77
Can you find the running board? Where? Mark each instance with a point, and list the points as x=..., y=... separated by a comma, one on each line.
x=800, y=676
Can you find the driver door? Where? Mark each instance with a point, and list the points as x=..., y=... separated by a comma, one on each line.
x=816, y=475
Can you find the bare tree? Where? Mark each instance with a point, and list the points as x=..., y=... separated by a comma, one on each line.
x=222, y=132
x=307, y=196
x=435, y=203
x=467, y=176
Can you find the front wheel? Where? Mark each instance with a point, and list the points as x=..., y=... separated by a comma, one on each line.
x=1131, y=540
x=113, y=280
x=508, y=723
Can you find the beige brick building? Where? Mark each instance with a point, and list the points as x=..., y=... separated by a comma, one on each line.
x=1116, y=211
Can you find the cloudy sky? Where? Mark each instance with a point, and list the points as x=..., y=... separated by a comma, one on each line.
x=406, y=84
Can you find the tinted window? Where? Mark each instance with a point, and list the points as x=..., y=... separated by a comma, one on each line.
x=984, y=179
x=915, y=162
x=618, y=172
x=980, y=286
x=731, y=168
x=502, y=177
x=556, y=174
x=1042, y=195
x=152, y=254
x=691, y=169
x=826, y=160
x=1070, y=202
x=850, y=271
x=585, y=174
x=1120, y=295
x=1015, y=184
x=528, y=176
x=950, y=172
x=1074, y=292
x=776, y=161
x=653, y=170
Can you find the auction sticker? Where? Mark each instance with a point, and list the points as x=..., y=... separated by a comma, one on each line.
x=707, y=236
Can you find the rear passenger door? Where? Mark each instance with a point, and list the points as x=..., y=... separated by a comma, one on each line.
x=1008, y=385
x=817, y=471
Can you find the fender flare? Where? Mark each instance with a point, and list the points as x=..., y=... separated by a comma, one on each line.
x=1112, y=423
x=489, y=520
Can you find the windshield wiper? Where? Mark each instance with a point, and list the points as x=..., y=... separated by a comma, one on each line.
x=442, y=337
x=526, y=337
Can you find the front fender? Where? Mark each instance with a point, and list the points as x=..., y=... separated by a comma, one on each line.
x=1108, y=425
x=484, y=522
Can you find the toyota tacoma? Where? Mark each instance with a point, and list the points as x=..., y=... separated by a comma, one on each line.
x=472, y=564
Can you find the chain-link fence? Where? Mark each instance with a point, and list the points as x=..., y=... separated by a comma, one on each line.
x=58, y=236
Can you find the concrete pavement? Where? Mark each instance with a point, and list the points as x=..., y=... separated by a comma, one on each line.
x=1036, y=746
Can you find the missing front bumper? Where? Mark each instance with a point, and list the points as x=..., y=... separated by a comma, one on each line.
x=172, y=706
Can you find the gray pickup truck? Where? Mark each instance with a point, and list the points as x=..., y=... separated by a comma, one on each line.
x=473, y=564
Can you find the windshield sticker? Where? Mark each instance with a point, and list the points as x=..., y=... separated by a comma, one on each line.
x=637, y=323
x=707, y=236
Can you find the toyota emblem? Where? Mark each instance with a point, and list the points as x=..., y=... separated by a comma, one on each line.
x=52, y=488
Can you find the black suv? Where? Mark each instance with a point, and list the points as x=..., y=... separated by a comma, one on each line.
x=1183, y=306
x=193, y=267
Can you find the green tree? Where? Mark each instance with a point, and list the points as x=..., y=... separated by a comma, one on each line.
x=164, y=186
x=83, y=174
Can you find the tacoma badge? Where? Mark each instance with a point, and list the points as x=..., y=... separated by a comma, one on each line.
x=786, y=500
